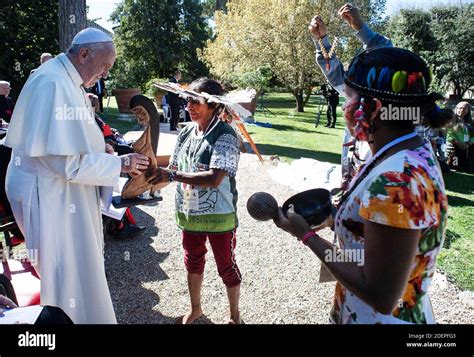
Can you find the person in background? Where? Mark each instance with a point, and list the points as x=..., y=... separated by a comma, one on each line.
x=460, y=139
x=46, y=56
x=437, y=138
x=99, y=90
x=332, y=98
x=174, y=102
x=6, y=103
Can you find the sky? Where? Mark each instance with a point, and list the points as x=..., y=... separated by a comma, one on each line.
x=103, y=8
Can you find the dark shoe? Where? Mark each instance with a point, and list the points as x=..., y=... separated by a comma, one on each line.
x=333, y=126
x=129, y=231
x=327, y=125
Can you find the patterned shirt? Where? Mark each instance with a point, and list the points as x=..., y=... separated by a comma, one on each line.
x=199, y=209
x=406, y=190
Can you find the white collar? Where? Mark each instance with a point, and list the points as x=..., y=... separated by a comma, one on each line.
x=72, y=71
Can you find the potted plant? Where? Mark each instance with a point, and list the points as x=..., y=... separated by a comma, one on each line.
x=154, y=91
x=123, y=90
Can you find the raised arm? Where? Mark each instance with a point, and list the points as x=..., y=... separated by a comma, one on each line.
x=369, y=39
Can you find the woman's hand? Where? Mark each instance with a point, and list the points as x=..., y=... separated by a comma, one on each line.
x=293, y=223
x=351, y=15
x=157, y=175
x=317, y=27
x=133, y=163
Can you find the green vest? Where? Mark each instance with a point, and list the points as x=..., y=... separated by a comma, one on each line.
x=210, y=210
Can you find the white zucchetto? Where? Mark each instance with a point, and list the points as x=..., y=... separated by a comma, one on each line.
x=90, y=35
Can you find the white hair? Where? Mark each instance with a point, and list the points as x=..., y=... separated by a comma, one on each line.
x=74, y=49
x=44, y=55
x=4, y=82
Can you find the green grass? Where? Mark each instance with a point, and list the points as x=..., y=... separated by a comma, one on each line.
x=457, y=256
x=293, y=136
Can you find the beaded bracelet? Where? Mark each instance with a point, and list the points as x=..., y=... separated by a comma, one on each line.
x=171, y=175
x=307, y=236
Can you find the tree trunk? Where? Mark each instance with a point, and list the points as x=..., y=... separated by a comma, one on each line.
x=298, y=93
x=221, y=5
x=72, y=19
x=307, y=96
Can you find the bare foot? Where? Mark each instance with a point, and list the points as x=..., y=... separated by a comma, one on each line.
x=191, y=316
x=235, y=320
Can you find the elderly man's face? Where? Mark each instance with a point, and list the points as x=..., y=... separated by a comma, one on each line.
x=96, y=64
x=462, y=109
x=4, y=89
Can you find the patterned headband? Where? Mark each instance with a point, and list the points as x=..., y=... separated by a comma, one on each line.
x=386, y=95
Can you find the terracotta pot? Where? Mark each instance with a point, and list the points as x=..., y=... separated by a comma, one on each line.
x=123, y=97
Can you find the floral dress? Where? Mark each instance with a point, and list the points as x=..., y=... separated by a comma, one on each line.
x=406, y=190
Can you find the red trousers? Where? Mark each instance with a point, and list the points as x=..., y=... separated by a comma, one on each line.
x=222, y=244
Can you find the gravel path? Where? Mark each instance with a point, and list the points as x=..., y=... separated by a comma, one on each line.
x=147, y=277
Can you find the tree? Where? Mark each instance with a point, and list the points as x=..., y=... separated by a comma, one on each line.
x=442, y=36
x=274, y=33
x=25, y=30
x=155, y=37
x=72, y=19
x=221, y=5
x=453, y=28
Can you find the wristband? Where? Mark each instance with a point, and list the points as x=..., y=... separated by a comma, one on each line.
x=171, y=175
x=307, y=236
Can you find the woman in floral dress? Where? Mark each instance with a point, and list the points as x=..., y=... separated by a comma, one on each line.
x=394, y=213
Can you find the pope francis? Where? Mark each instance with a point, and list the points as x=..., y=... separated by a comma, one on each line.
x=58, y=173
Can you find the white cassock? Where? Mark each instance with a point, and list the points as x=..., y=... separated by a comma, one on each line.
x=58, y=163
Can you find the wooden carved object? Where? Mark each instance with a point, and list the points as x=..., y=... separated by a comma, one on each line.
x=147, y=144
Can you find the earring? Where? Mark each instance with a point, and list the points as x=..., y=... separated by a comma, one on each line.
x=361, y=119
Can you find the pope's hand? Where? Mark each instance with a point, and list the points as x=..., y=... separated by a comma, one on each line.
x=6, y=303
x=157, y=175
x=293, y=223
x=351, y=15
x=317, y=27
x=134, y=163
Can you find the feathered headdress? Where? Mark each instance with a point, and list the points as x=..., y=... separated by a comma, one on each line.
x=233, y=112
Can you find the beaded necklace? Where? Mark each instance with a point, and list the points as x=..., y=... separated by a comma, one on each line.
x=327, y=55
